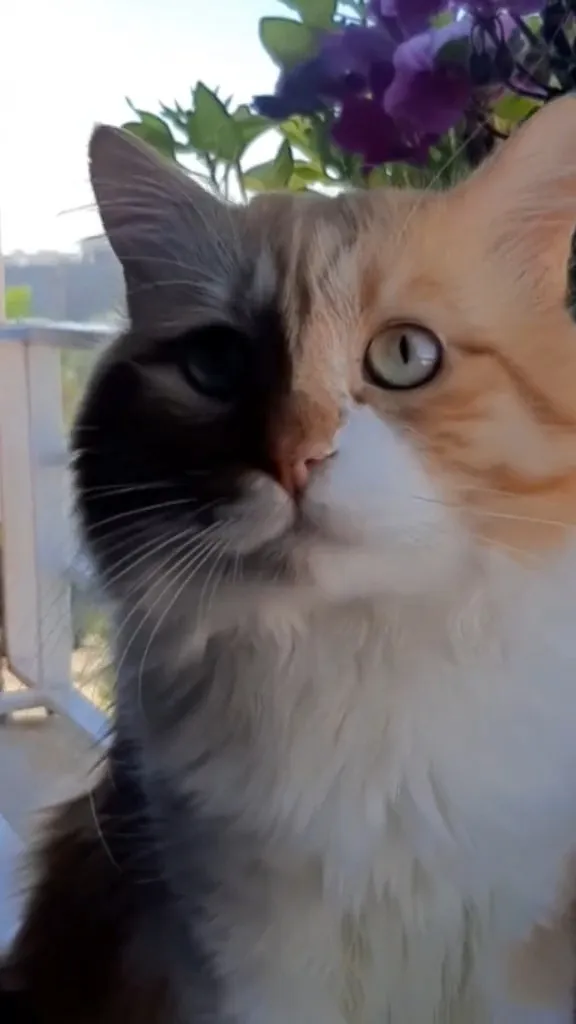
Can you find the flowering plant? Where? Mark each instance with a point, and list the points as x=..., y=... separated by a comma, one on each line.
x=371, y=92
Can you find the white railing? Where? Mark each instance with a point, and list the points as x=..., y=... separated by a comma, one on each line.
x=39, y=547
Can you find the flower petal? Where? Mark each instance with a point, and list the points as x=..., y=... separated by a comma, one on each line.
x=349, y=62
x=521, y=7
x=490, y=8
x=364, y=128
x=430, y=101
x=299, y=91
x=413, y=15
x=280, y=108
x=354, y=52
x=426, y=95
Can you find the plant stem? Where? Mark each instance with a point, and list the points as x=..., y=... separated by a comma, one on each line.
x=240, y=178
x=546, y=91
x=527, y=32
x=226, y=181
x=493, y=131
x=211, y=165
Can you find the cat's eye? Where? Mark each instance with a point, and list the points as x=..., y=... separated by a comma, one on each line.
x=215, y=362
x=403, y=356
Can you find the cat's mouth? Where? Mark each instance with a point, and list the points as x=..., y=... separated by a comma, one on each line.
x=267, y=520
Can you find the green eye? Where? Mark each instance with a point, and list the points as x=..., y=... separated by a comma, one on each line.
x=403, y=356
x=215, y=363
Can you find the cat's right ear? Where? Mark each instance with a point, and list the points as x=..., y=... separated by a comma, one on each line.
x=178, y=244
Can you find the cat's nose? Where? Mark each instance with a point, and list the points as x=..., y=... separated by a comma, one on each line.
x=294, y=473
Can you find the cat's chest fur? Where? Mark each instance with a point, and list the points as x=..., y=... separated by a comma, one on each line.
x=385, y=742
x=414, y=788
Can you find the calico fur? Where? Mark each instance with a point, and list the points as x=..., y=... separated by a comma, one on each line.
x=340, y=789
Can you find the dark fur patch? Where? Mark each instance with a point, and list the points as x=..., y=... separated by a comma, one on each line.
x=14, y=1007
x=101, y=921
x=137, y=460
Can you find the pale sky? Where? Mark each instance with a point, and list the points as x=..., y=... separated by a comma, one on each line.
x=67, y=64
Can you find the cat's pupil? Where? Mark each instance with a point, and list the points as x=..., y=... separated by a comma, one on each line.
x=404, y=349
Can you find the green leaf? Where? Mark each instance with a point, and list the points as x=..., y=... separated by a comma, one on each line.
x=312, y=140
x=442, y=19
x=260, y=178
x=514, y=108
x=175, y=116
x=18, y=302
x=311, y=175
x=284, y=163
x=154, y=131
x=322, y=144
x=286, y=42
x=316, y=13
x=305, y=175
x=300, y=133
x=194, y=133
x=275, y=174
x=250, y=125
x=211, y=129
x=379, y=176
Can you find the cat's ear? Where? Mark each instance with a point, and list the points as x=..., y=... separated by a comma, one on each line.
x=178, y=244
x=532, y=175
x=539, y=155
x=523, y=199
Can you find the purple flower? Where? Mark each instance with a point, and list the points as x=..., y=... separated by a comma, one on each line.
x=363, y=127
x=415, y=15
x=411, y=15
x=350, y=62
x=302, y=90
x=428, y=95
x=483, y=9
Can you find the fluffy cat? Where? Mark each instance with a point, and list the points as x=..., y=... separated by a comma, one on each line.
x=328, y=479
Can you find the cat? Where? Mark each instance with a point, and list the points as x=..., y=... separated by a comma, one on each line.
x=328, y=480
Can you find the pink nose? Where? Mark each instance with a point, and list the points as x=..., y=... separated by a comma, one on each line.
x=294, y=474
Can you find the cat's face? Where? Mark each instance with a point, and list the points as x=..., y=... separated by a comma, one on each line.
x=343, y=397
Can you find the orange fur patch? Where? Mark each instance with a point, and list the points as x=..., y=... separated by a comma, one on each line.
x=485, y=267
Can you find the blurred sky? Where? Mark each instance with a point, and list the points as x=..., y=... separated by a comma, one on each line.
x=66, y=64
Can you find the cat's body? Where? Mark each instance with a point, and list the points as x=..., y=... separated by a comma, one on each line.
x=406, y=898
x=346, y=645
x=402, y=902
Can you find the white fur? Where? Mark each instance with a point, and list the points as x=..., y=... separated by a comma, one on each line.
x=413, y=762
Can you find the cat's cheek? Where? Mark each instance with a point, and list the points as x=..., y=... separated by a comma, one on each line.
x=376, y=498
x=375, y=488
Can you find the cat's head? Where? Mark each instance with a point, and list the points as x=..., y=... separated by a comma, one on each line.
x=342, y=397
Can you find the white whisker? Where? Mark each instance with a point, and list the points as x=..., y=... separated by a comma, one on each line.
x=194, y=564
x=488, y=513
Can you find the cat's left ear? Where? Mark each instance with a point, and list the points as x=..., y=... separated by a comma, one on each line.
x=538, y=158
x=524, y=197
x=178, y=244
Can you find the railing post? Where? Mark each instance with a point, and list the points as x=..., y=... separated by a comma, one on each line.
x=21, y=606
x=52, y=507
x=38, y=541
x=36, y=526
x=2, y=280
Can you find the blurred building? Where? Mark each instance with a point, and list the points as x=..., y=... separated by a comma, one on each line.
x=82, y=286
